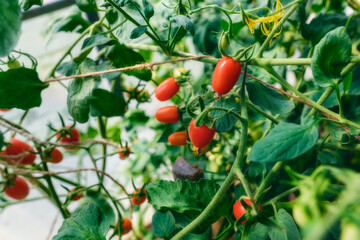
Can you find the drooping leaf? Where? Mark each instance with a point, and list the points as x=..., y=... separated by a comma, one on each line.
x=186, y=23
x=20, y=88
x=284, y=142
x=86, y=5
x=96, y=40
x=267, y=98
x=79, y=91
x=331, y=54
x=227, y=121
x=107, y=104
x=10, y=23
x=138, y=31
x=148, y=9
x=163, y=224
x=87, y=224
x=289, y=229
x=27, y=4
x=122, y=56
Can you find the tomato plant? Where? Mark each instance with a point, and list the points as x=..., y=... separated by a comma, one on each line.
x=18, y=188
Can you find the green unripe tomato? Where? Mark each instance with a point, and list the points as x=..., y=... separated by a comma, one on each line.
x=225, y=41
x=13, y=63
x=299, y=214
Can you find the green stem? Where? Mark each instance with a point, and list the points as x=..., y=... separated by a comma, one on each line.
x=338, y=96
x=322, y=100
x=102, y=128
x=262, y=112
x=280, y=196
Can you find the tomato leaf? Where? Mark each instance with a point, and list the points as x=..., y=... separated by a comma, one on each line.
x=89, y=223
x=259, y=232
x=227, y=121
x=331, y=54
x=86, y=5
x=138, y=31
x=79, y=91
x=128, y=58
x=10, y=23
x=96, y=40
x=187, y=197
x=267, y=98
x=27, y=4
x=186, y=23
x=107, y=104
x=66, y=68
x=284, y=142
x=289, y=229
x=163, y=224
x=148, y=9
x=106, y=65
x=326, y=157
x=20, y=88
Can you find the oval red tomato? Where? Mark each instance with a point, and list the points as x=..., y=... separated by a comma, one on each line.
x=140, y=197
x=19, y=152
x=19, y=190
x=78, y=196
x=226, y=74
x=239, y=210
x=167, y=114
x=56, y=156
x=126, y=225
x=167, y=89
x=178, y=138
x=124, y=152
x=73, y=138
x=200, y=136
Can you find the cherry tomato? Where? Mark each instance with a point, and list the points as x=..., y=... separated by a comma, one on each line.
x=226, y=74
x=21, y=148
x=4, y=110
x=124, y=152
x=140, y=197
x=167, y=114
x=178, y=138
x=239, y=210
x=19, y=190
x=76, y=197
x=126, y=225
x=56, y=156
x=74, y=138
x=200, y=136
x=167, y=89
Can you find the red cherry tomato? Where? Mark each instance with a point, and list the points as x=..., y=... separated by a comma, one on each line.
x=21, y=148
x=4, y=110
x=167, y=89
x=74, y=138
x=200, y=136
x=56, y=156
x=124, y=152
x=126, y=225
x=226, y=74
x=19, y=190
x=239, y=210
x=167, y=114
x=76, y=197
x=140, y=197
x=178, y=138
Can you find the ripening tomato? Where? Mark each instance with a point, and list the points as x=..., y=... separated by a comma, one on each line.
x=124, y=152
x=19, y=190
x=140, y=196
x=178, y=138
x=78, y=196
x=4, y=110
x=200, y=136
x=19, y=152
x=73, y=138
x=56, y=156
x=167, y=89
x=167, y=114
x=226, y=74
x=126, y=225
x=239, y=210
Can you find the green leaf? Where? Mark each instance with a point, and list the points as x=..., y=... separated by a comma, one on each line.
x=187, y=197
x=347, y=81
x=87, y=224
x=135, y=117
x=27, y=4
x=10, y=23
x=227, y=121
x=284, y=142
x=96, y=40
x=138, y=31
x=122, y=56
x=326, y=157
x=163, y=224
x=331, y=54
x=98, y=198
x=86, y=5
x=354, y=89
x=258, y=232
x=82, y=56
x=186, y=23
x=148, y=9
x=107, y=104
x=66, y=68
x=1, y=140
x=267, y=98
x=106, y=65
x=20, y=88
x=289, y=229
x=79, y=91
